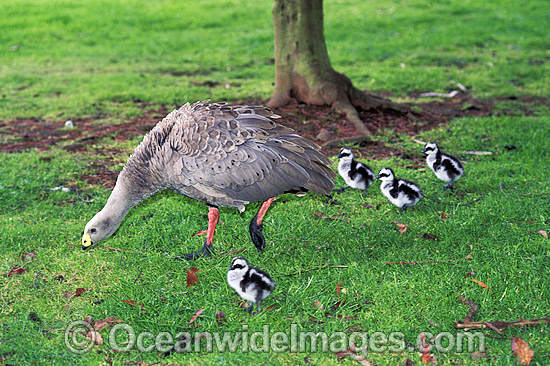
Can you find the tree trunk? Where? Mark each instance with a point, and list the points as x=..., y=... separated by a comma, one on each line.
x=302, y=66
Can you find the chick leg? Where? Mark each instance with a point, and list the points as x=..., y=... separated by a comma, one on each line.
x=256, y=226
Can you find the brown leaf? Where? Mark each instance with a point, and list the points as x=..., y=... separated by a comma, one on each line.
x=194, y=317
x=318, y=305
x=17, y=270
x=478, y=356
x=220, y=318
x=268, y=308
x=233, y=252
x=522, y=351
x=338, y=288
x=133, y=303
x=108, y=321
x=95, y=337
x=28, y=256
x=202, y=232
x=541, y=232
x=192, y=277
x=429, y=236
x=443, y=215
x=479, y=283
x=401, y=227
x=343, y=354
x=426, y=357
x=79, y=291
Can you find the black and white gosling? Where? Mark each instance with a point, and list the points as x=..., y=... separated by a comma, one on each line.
x=401, y=192
x=355, y=174
x=252, y=284
x=445, y=166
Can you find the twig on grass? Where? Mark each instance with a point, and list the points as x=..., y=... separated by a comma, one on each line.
x=497, y=325
x=314, y=269
x=34, y=281
x=138, y=276
x=502, y=190
x=427, y=262
x=120, y=250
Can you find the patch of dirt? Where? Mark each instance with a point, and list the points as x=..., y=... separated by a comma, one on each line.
x=316, y=123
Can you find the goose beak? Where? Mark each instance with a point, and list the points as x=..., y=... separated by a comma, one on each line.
x=86, y=241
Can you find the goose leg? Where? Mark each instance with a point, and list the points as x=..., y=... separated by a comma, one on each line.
x=207, y=249
x=256, y=226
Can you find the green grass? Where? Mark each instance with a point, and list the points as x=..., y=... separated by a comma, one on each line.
x=113, y=59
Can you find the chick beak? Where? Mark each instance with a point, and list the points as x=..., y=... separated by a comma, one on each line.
x=378, y=176
x=86, y=241
x=424, y=150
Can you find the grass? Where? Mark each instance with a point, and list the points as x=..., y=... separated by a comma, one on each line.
x=66, y=60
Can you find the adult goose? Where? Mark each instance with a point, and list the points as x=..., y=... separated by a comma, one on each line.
x=220, y=154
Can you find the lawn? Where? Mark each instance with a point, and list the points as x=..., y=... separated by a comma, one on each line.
x=339, y=268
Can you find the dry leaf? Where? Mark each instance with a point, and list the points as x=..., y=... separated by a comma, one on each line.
x=401, y=227
x=194, y=317
x=133, y=303
x=28, y=256
x=443, y=215
x=479, y=283
x=79, y=291
x=522, y=351
x=541, y=232
x=338, y=288
x=426, y=357
x=233, y=252
x=220, y=318
x=430, y=236
x=343, y=354
x=192, y=276
x=102, y=323
x=17, y=270
x=202, y=232
x=95, y=337
x=318, y=305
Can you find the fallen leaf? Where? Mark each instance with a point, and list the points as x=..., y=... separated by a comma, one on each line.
x=17, y=270
x=220, y=318
x=108, y=321
x=338, y=288
x=443, y=215
x=478, y=356
x=522, y=351
x=243, y=304
x=343, y=354
x=429, y=236
x=426, y=357
x=401, y=227
x=318, y=305
x=268, y=308
x=202, y=232
x=79, y=291
x=541, y=232
x=479, y=283
x=197, y=314
x=133, y=303
x=95, y=337
x=233, y=252
x=192, y=276
x=28, y=256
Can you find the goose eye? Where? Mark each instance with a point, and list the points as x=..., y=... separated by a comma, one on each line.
x=93, y=230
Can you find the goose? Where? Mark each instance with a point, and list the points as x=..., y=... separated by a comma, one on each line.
x=445, y=166
x=251, y=283
x=355, y=174
x=401, y=192
x=220, y=154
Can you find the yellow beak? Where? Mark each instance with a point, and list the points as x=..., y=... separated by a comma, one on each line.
x=86, y=241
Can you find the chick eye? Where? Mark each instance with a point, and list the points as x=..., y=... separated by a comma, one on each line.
x=93, y=230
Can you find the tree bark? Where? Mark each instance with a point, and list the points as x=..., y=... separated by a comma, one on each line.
x=302, y=67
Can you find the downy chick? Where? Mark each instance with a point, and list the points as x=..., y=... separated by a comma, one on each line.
x=355, y=174
x=252, y=284
x=401, y=192
x=445, y=166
